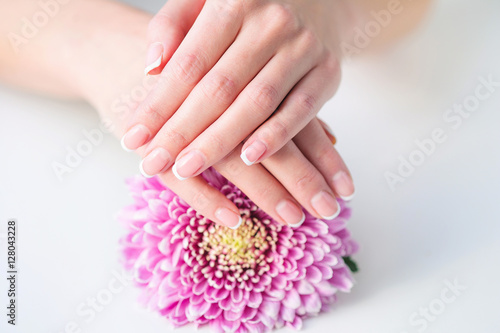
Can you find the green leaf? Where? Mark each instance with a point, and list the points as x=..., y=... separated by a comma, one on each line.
x=351, y=264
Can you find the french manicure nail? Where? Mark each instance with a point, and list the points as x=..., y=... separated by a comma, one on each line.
x=291, y=213
x=325, y=205
x=154, y=162
x=228, y=218
x=343, y=185
x=188, y=165
x=135, y=137
x=154, y=57
x=253, y=152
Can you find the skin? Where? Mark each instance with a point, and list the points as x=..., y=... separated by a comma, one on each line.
x=256, y=71
x=81, y=54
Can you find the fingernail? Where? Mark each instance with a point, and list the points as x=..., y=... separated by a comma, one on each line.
x=153, y=57
x=326, y=205
x=343, y=185
x=228, y=218
x=154, y=162
x=253, y=152
x=188, y=165
x=329, y=132
x=135, y=137
x=291, y=213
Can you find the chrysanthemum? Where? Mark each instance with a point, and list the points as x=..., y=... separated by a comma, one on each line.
x=263, y=275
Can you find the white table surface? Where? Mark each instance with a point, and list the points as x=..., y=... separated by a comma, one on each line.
x=441, y=224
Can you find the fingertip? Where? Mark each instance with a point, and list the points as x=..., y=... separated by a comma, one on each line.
x=176, y=174
x=154, y=58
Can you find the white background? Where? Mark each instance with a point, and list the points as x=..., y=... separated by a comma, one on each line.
x=441, y=224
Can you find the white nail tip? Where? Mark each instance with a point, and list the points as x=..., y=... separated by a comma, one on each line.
x=176, y=174
x=154, y=65
x=243, y=156
x=348, y=198
x=334, y=215
x=300, y=223
x=144, y=172
x=240, y=221
x=122, y=142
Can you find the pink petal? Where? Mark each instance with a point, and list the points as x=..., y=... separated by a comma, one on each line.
x=237, y=295
x=312, y=303
x=295, y=253
x=200, y=287
x=325, y=288
x=248, y=313
x=292, y=299
x=255, y=299
x=297, y=323
x=304, y=287
x=214, y=311
x=233, y=315
x=313, y=274
x=194, y=311
x=287, y=314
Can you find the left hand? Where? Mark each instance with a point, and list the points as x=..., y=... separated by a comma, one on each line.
x=231, y=69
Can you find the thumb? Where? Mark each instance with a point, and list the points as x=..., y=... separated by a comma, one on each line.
x=166, y=31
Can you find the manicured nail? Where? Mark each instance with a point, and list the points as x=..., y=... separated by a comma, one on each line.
x=343, y=185
x=154, y=162
x=228, y=218
x=325, y=205
x=253, y=152
x=154, y=57
x=135, y=137
x=329, y=132
x=188, y=165
x=291, y=213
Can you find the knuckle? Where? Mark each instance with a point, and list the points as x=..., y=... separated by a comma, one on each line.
x=308, y=40
x=199, y=200
x=230, y=166
x=228, y=10
x=219, y=87
x=307, y=103
x=217, y=144
x=281, y=16
x=324, y=154
x=189, y=68
x=150, y=110
x=332, y=65
x=308, y=178
x=280, y=133
x=159, y=21
x=176, y=138
x=265, y=98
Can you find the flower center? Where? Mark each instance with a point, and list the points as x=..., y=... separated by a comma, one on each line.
x=238, y=254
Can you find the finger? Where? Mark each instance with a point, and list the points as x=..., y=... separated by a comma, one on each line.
x=303, y=180
x=296, y=111
x=208, y=100
x=211, y=34
x=204, y=199
x=166, y=31
x=316, y=146
x=252, y=107
x=262, y=188
x=328, y=131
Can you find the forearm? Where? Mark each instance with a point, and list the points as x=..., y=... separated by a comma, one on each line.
x=78, y=50
x=382, y=21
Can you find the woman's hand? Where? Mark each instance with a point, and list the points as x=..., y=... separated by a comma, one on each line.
x=302, y=173
x=307, y=172
x=231, y=69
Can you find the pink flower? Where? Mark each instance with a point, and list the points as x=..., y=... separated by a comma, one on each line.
x=261, y=276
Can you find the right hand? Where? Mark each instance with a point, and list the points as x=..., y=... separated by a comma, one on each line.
x=303, y=173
